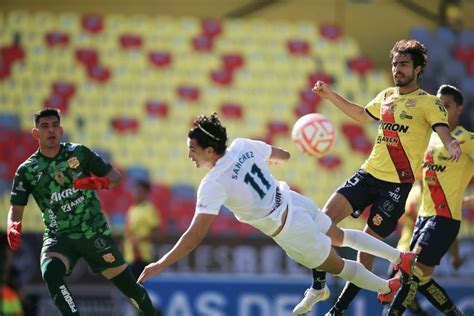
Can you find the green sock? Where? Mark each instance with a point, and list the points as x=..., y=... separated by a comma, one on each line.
x=53, y=271
x=126, y=283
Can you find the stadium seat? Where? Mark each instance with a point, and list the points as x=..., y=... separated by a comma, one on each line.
x=298, y=47
x=222, y=77
x=92, y=23
x=330, y=31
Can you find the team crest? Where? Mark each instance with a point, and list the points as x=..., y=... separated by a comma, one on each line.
x=108, y=257
x=404, y=116
x=59, y=177
x=410, y=103
x=377, y=220
x=73, y=162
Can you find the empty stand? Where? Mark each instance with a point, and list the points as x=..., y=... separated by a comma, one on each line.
x=130, y=86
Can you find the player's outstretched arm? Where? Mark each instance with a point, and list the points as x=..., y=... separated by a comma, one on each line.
x=191, y=238
x=15, y=215
x=452, y=144
x=350, y=108
x=278, y=156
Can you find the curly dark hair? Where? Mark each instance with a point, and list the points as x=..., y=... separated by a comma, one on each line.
x=209, y=132
x=417, y=51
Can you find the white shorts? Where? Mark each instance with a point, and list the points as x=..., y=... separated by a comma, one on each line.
x=304, y=235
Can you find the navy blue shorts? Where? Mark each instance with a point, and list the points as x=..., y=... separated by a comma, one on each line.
x=432, y=237
x=387, y=199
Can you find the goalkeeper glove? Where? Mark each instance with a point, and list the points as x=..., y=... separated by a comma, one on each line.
x=91, y=183
x=14, y=235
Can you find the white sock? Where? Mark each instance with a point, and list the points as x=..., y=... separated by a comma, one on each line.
x=364, y=242
x=356, y=273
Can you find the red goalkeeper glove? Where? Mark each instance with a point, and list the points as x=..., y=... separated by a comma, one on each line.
x=91, y=183
x=14, y=235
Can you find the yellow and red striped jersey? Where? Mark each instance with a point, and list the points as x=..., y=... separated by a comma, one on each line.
x=444, y=181
x=405, y=125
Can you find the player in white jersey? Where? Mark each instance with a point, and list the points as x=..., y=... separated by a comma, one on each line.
x=239, y=178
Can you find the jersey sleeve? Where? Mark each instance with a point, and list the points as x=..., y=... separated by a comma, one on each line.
x=20, y=188
x=95, y=163
x=210, y=197
x=436, y=113
x=262, y=148
x=373, y=107
x=468, y=146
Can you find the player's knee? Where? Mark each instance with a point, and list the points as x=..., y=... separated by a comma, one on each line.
x=366, y=259
x=52, y=268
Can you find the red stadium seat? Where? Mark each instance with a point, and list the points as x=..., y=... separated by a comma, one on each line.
x=56, y=38
x=160, y=59
x=56, y=101
x=64, y=89
x=211, y=27
x=278, y=128
x=222, y=77
x=202, y=43
x=319, y=76
x=87, y=56
x=125, y=125
x=12, y=53
x=330, y=31
x=187, y=92
x=330, y=162
x=130, y=41
x=303, y=108
x=355, y=135
x=92, y=23
x=98, y=73
x=4, y=71
x=309, y=97
x=232, y=61
x=361, y=65
x=231, y=111
x=298, y=47
x=157, y=108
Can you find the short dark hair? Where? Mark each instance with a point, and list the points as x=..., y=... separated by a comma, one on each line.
x=417, y=51
x=47, y=112
x=209, y=132
x=447, y=89
x=145, y=184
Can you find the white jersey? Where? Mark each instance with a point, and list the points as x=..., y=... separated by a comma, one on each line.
x=241, y=180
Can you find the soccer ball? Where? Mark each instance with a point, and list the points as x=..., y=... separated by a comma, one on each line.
x=313, y=134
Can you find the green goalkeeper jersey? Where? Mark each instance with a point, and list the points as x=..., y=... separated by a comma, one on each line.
x=66, y=211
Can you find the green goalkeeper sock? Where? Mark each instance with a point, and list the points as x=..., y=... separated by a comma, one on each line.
x=126, y=283
x=53, y=271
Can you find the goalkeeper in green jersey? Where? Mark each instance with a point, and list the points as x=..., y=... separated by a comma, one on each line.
x=63, y=179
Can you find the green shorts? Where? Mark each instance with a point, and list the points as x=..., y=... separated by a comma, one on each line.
x=100, y=251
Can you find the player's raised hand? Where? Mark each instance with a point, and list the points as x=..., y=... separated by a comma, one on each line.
x=150, y=270
x=455, y=149
x=321, y=88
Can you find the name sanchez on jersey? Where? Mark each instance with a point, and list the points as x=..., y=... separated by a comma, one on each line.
x=240, y=161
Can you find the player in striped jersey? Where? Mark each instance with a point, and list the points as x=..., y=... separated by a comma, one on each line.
x=407, y=115
x=439, y=217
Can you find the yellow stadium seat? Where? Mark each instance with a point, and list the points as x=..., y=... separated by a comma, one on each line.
x=44, y=21
x=69, y=22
